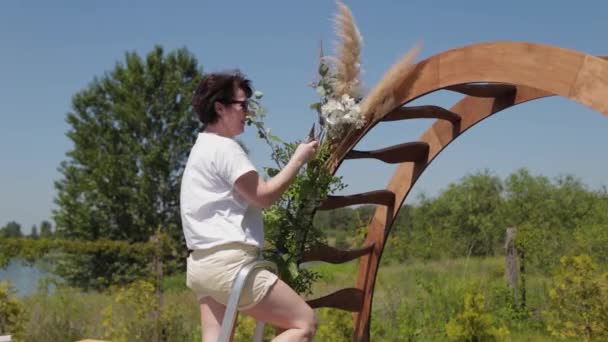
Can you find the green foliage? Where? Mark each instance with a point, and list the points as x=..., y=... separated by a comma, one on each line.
x=13, y=316
x=138, y=299
x=547, y=215
x=46, y=229
x=470, y=218
x=289, y=221
x=413, y=301
x=68, y=314
x=11, y=229
x=34, y=232
x=135, y=314
x=245, y=328
x=475, y=323
x=334, y=325
x=461, y=221
x=592, y=239
x=61, y=316
x=32, y=250
x=345, y=219
x=132, y=130
x=578, y=305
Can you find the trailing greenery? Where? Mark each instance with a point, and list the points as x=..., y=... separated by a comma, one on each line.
x=289, y=222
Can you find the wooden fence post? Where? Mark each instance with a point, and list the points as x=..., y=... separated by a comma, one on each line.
x=511, y=269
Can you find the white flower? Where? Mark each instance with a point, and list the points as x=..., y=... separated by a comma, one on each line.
x=332, y=106
x=347, y=101
x=321, y=91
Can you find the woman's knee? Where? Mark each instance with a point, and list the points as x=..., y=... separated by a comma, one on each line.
x=309, y=324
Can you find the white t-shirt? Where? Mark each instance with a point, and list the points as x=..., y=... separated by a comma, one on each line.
x=212, y=211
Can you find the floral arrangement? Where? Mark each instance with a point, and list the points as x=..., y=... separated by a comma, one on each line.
x=341, y=108
x=339, y=86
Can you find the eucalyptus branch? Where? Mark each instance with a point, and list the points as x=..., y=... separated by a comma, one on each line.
x=290, y=221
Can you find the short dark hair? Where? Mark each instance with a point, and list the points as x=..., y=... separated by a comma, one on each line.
x=217, y=86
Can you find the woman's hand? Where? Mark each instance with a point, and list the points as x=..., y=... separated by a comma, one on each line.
x=305, y=151
x=263, y=193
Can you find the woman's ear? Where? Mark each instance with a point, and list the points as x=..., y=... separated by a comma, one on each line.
x=218, y=107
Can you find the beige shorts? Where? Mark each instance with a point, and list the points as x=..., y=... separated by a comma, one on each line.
x=211, y=272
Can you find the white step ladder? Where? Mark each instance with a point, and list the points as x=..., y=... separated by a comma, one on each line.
x=227, y=329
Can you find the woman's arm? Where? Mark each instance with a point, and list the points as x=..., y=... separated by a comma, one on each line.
x=263, y=193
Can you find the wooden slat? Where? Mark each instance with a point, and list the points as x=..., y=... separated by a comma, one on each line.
x=407, y=152
x=382, y=197
x=333, y=255
x=484, y=90
x=422, y=112
x=346, y=299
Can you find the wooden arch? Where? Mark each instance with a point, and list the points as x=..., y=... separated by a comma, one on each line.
x=492, y=77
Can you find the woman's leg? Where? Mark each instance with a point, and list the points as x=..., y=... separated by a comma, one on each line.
x=212, y=314
x=284, y=308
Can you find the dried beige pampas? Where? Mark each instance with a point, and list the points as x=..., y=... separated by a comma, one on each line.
x=348, y=53
x=381, y=99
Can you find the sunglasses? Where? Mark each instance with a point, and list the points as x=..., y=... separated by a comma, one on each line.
x=244, y=104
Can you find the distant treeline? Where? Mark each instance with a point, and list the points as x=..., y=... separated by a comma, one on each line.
x=470, y=217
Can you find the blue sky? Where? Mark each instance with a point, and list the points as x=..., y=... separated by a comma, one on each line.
x=51, y=50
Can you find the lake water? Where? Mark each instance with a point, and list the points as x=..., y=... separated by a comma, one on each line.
x=24, y=278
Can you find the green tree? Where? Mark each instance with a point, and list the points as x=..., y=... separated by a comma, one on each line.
x=131, y=130
x=34, y=232
x=11, y=229
x=461, y=221
x=548, y=215
x=46, y=230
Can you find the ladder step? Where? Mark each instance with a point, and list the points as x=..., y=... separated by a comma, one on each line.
x=382, y=197
x=484, y=89
x=350, y=299
x=408, y=152
x=422, y=112
x=333, y=255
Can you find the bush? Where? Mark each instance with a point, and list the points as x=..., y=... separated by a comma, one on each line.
x=65, y=315
x=12, y=312
x=475, y=323
x=334, y=325
x=578, y=305
x=131, y=317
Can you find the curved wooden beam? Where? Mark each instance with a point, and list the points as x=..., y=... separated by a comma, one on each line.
x=471, y=110
x=346, y=299
x=409, y=151
x=537, y=71
x=557, y=71
x=381, y=197
x=422, y=112
x=483, y=90
x=334, y=255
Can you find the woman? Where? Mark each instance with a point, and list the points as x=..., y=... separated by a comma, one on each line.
x=221, y=199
